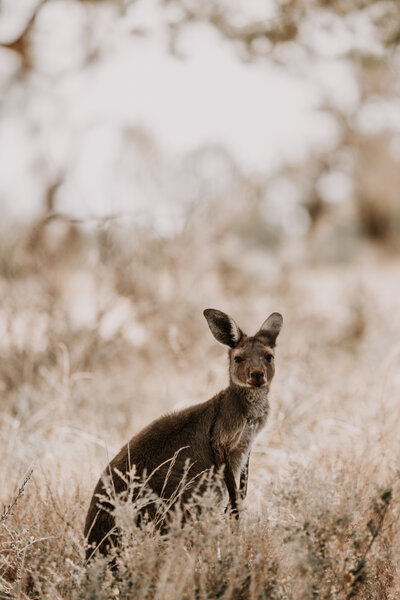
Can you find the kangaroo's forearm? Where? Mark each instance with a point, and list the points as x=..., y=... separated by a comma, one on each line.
x=221, y=458
x=230, y=484
x=244, y=477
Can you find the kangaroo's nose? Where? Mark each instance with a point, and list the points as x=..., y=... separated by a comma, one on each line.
x=257, y=377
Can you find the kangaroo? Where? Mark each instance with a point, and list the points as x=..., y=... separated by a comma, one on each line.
x=215, y=435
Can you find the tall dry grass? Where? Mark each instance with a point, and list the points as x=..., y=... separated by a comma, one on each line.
x=101, y=331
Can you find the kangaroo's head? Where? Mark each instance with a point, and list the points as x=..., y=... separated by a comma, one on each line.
x=251, y=358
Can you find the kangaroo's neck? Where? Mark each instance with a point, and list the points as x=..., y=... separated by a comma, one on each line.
x=248, y=398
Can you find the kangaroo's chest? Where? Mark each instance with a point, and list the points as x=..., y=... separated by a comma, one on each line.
x=244, y=441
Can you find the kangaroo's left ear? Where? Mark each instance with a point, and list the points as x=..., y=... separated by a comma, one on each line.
x=270, y=328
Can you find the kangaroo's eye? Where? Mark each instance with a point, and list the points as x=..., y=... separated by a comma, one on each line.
x=269, y=357
x=238, y=359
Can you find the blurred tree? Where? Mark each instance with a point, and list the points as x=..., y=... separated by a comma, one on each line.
x=363, y=34
x=306, y=37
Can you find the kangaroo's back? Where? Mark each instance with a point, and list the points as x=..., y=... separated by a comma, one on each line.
x=180, y=437
x=184, y=445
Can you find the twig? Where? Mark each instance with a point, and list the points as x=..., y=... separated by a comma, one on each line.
x=358, y=571
x=7, y=508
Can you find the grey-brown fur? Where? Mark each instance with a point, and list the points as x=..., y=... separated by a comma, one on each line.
x=217, y=434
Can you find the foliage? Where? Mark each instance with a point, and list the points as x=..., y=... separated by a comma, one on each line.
x=321, y=517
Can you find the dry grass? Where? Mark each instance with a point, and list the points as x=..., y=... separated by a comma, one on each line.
x=101, y=332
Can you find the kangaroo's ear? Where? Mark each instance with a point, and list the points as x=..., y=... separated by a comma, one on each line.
x=271, y=327
x=223, y=327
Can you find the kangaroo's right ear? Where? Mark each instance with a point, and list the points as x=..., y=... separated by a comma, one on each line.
x=223, y=327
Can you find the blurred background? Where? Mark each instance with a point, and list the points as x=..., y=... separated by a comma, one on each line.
x=161, y=156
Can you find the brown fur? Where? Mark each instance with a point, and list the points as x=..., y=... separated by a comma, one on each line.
x=217, y=434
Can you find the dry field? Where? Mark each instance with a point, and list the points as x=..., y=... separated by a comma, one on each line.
x=100, y=332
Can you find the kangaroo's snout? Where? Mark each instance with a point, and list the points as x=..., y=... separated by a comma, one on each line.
x=257, y=377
